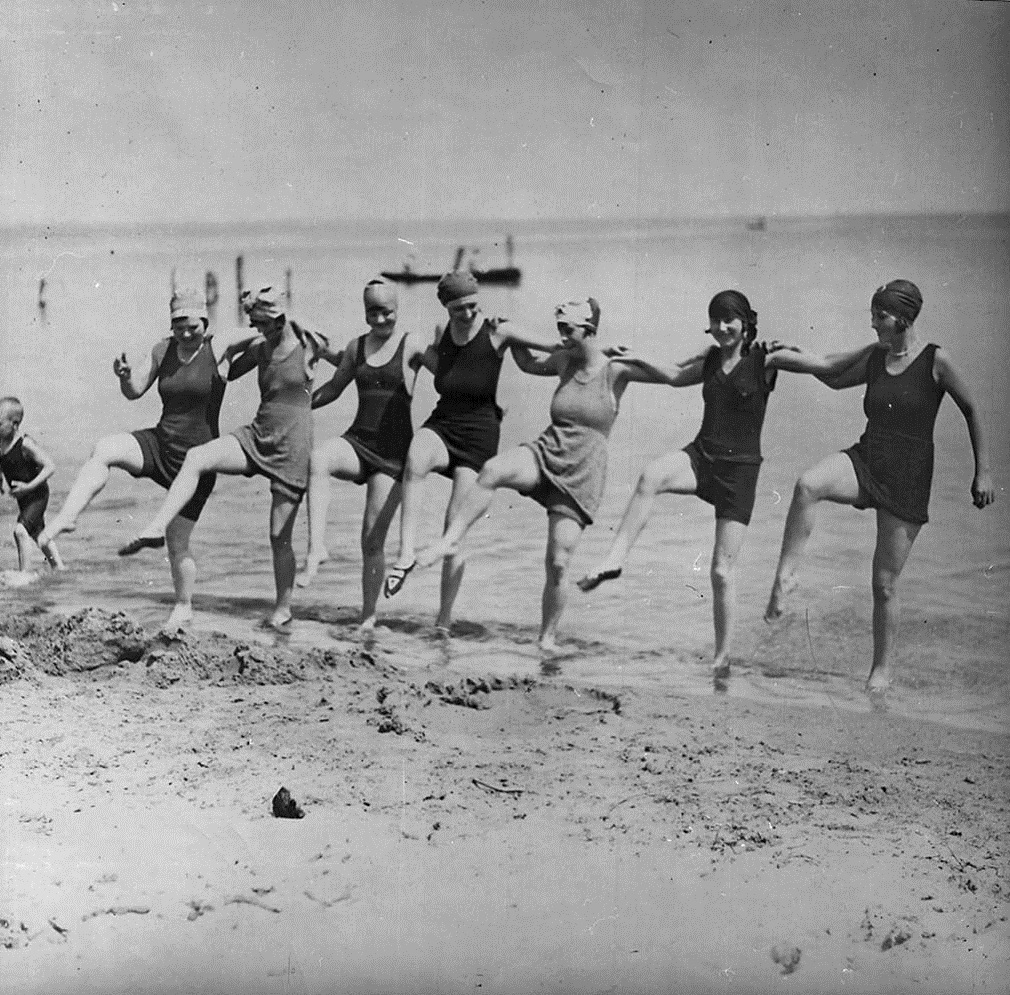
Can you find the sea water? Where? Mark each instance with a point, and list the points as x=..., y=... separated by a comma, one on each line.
x=810, y=280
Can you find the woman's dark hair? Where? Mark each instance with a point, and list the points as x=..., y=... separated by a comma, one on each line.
x=732, y=304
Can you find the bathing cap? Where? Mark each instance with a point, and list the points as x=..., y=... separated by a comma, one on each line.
x=900, y=298
x=580, y=314
x=268, y=302
x=459, y=286
x=379, y=292
x=188, y=304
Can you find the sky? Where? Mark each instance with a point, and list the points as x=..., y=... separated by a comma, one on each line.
x=132, y=111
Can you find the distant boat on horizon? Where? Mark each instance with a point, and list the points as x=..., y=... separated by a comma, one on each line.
x=759, y=223
x=500, y=276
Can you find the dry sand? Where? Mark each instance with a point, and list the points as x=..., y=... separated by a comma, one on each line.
x=466, y=832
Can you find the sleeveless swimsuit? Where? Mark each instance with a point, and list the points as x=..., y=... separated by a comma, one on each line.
x=893, y=459
x=16, y=464
x=278, y=443
x=466, y=418
x=191, y=395
x=726, y=455
x=572, y=451
x=381, y=431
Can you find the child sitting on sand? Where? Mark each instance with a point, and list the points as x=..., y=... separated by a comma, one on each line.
x=26, y=467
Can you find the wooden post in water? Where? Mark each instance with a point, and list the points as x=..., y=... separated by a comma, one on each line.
x=287, y=287
x=42, y=294
x=210, y=288
x=239, y=287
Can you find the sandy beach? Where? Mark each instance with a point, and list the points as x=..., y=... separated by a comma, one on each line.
x=466, y=831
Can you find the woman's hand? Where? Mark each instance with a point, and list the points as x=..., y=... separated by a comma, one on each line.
x=615, y=351
x=983, y=491
x=121, y=367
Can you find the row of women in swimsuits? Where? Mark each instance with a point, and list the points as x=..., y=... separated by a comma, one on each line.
x=564, y=470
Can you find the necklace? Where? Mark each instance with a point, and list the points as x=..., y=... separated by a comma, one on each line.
x=904, y=352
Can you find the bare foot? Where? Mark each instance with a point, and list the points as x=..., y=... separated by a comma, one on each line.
x=430, y=555
x=879, y=680
x=312, y=564
x=548, y=643
x=720, y=668
x=279, y=621
x=595, y=578
x=781, y=590
x=367, y=624
x=179, y=619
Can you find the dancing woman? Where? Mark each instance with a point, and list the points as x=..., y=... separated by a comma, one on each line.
x=276, y=445
x=186, y=370
x=462, y=433
x=720, y=466
x=383, y=364
x=565, y=468
x=890, y=469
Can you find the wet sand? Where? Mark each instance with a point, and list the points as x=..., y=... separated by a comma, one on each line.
x=476, y=821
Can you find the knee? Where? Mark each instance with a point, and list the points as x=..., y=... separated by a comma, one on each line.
x=195, y=461
x=556, y=568
x=104, y=452
x=650, y=481
x=806, y=490
x=723, y=572
x=885, y=586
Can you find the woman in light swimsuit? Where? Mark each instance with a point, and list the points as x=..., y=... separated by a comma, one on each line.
x=276, y=445
x=890, y=469
x=383, y=364
x=565, y=469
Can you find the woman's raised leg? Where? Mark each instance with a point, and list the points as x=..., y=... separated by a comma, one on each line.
x=894, y=543
x=330, y=458
x=833, y=479
x=121, y=450
x=728, y=540
x=427, y=452
x=223, y=455
x=669, y=474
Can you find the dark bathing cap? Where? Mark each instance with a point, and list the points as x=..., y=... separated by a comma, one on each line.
x=732, y=304
x=455, y=285
x=379, y=292
x=901, y=298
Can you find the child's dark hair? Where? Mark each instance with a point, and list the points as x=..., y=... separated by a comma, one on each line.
x=732, y=304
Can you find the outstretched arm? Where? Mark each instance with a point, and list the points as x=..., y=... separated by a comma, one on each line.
x=46, y=467
x=630, y=367
x=838, y=369
x=948, y=376
x=551, y=365
x=508, y=333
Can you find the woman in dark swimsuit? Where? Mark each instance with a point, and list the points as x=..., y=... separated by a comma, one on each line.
x=890, y=469
x=720, y=466
x=462, y=433
x=383, y=364
x=191, y=390
x=276, y=445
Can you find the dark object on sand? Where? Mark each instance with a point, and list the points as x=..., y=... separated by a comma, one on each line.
x=787, y=957
x=285, y=807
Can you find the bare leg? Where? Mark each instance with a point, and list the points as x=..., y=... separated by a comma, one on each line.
x=669, y=474
x=563, y=535
x=381, y=501
x=24, y=544
x=471, y=497
x=223, y=455
x=453, y=565
x=183, y=566
x=728, y=539
x=833, y=479
x=427, y=452
x=894, y=543
x=52, y=555
x=120, y=450
x=283, y=511
x=332, y=458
